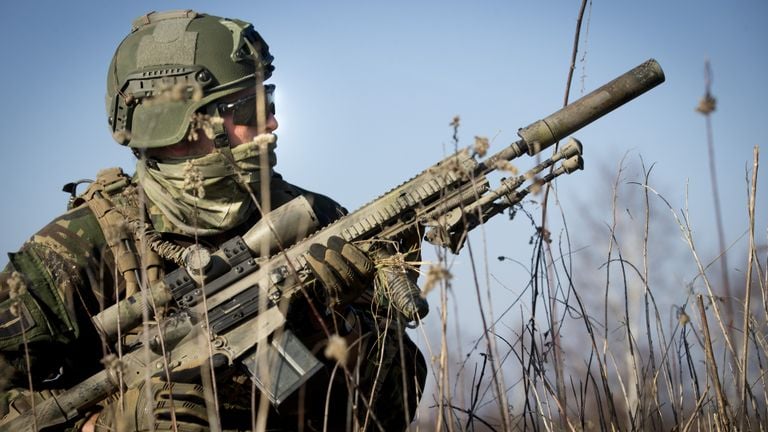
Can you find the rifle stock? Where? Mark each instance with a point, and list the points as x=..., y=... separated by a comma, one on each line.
x=245, y=294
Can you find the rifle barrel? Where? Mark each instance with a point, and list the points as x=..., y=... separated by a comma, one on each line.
x=543, y=133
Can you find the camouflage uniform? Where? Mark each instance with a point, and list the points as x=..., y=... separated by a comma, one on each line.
x=88, y=258
x=66, y=272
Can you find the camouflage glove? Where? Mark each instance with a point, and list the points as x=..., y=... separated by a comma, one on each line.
x=344, y=270
x=166, y=400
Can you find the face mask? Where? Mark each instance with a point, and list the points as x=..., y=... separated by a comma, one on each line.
x=209, y=194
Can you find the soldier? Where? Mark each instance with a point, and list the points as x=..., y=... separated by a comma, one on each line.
x=186, y=92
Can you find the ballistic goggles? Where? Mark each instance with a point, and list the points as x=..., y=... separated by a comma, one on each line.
x=244, y=109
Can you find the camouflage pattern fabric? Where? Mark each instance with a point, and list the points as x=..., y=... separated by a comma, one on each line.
x=66, y=272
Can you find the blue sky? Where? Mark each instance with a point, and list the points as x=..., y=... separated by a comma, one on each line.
x=366, y=90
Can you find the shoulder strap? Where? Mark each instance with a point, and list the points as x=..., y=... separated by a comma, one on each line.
x=116, y=224
x=107, y=181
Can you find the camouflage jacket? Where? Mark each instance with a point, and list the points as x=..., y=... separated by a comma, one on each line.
x=71, y=270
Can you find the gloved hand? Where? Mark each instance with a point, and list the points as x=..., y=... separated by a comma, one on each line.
x=344, y=270
x=184, y=401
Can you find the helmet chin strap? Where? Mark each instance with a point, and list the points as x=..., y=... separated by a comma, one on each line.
x=220, y=137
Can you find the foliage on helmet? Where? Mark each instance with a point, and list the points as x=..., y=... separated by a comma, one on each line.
x=171, y=65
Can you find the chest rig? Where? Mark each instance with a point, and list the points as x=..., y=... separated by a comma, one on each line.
x=114, y=201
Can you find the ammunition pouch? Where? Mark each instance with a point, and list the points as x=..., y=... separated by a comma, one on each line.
x=31, y=310
x=22, y=318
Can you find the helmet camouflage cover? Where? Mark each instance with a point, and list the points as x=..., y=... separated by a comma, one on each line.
x=171, y=65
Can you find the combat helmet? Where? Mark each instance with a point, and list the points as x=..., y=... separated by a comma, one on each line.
x=173, y=64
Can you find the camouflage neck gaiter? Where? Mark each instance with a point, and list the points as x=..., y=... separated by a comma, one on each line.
x=209, y=194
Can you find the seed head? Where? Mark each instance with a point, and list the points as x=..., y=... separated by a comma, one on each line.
x=193, y=180
x=505, y=165
x=337, y=349
x=707, y=104
x=17, y=286
x=204, y=122
x=435, y=275
x=481, y=145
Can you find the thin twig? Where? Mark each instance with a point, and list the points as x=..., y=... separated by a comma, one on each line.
x=707, y=107
x=722, y=402
x=748, y=288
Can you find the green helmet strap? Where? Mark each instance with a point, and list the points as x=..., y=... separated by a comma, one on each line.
x=220, y=137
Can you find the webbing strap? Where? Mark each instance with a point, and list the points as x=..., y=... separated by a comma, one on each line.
x=117, y=230
x=116, y=234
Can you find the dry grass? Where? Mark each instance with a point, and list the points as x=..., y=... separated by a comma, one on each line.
x=636, y=355
x=641, y=355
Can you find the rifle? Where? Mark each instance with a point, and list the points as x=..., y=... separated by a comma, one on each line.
x=233, y=300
